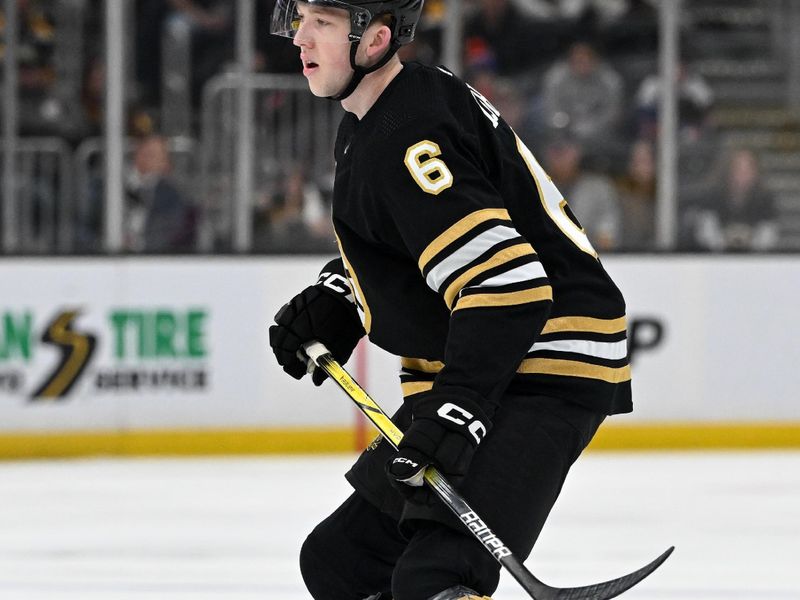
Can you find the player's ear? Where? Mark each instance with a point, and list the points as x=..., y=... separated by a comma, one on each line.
x=379, y=36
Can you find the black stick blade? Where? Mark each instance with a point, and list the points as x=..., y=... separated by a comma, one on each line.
x=612, y=588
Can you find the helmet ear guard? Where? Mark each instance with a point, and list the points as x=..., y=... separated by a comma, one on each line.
x=359, y=21
x=406, y=15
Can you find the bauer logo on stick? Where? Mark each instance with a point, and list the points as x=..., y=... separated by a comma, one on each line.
x=485, y=535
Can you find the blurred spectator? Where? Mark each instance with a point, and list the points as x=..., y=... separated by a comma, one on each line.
x=637, y=196
x=211, y=23
x=498, y=33
x=590, y=17
x=626, y=26
x=582, y=97
x=633, y=32
x=695, y=99
x=90, y=120
x=604, y=11
x=591, y=196
x=738, y=213
x=294, y=218
x=206, y=16
x=39, y=111
x=158, y=217
x=211, y=27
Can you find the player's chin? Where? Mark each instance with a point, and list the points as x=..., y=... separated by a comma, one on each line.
x=319, y=90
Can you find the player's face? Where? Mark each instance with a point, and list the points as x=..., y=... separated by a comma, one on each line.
x=322, y=36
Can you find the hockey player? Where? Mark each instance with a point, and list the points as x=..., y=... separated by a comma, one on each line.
x=459, y=255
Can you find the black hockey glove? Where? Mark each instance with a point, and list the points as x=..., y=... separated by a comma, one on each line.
x=445, y=432
x=319, y=313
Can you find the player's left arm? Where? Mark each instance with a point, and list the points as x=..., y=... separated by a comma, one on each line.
x=467, y=248
x=454, y=224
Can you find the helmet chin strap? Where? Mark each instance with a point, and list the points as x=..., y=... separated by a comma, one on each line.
x=360, y=72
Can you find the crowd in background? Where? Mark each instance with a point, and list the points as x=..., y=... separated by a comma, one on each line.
x=576, y=79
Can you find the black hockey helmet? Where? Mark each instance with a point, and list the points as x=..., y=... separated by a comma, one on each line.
x=405, y=15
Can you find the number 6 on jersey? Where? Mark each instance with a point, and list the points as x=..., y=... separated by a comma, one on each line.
x=431, y=174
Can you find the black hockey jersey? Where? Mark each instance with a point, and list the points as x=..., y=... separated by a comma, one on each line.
x=465, y=259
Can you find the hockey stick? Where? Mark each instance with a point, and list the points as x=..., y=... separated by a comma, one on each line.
x=537, y=590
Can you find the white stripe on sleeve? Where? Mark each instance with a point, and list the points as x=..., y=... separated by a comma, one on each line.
x=607, y=350
x=526, y=272
x=469, y=252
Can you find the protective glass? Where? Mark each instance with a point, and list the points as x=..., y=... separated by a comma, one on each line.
x=286, y=20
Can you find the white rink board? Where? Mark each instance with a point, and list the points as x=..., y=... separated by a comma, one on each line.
x=244, y=386
x=730, y=343
x=730, y=330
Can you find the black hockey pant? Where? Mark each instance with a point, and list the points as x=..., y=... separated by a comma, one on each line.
x=513, y=482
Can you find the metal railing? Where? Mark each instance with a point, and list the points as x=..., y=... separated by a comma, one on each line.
x=42, y=197
x=176, y=77
x=289, y=127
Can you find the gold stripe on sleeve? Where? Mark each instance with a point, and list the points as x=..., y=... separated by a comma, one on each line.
x=538, y=294
x=458, y=229
x=358, y=291
x=420, y=364
x=572, y=368
x=415, y=387
x=503, y=256
x=588, y=324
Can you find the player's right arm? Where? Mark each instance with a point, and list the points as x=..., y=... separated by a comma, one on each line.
x=323, y=312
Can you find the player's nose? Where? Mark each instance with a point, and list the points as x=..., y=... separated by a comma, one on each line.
x=301, y=38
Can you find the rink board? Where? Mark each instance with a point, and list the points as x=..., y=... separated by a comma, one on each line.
x=170, y=356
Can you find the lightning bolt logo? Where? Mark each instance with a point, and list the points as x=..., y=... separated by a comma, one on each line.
x=76, y=351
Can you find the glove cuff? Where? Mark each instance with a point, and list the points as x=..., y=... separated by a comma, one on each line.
x=455, y=412
x=337, y=285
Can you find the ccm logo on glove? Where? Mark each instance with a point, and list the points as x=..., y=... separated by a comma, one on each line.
x=338, y=284
x=459, y=416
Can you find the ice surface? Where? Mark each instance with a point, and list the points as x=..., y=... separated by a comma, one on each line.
x=124, y=529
